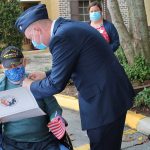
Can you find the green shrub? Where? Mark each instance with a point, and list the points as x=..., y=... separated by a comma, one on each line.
x=9, y=11
x=121, y=56
x=143, y=98
x=138, y=71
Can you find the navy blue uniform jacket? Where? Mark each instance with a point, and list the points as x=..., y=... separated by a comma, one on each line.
x=113, y=35
x=80, y=52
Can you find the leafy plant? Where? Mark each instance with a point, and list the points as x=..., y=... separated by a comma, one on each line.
x=9, y=11
x=143, y=98
x=121, y=56
x=138, y=71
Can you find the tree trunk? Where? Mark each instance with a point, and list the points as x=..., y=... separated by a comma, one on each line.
x=139, y=28
x=125, y=37
x=137, y=41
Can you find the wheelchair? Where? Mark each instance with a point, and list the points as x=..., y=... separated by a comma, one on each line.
x=66, y=141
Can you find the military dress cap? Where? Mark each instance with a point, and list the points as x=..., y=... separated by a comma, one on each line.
x=11, y=55
x=32, y=14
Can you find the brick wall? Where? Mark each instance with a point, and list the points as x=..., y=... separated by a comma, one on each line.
x=64, y=9
x=124, y=12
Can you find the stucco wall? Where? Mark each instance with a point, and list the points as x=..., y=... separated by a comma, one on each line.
x=52, y=7
x=58, y=8
x=147, y=7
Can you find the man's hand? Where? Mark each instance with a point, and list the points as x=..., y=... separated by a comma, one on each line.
x=57, y=127
x=26, y=83
x=37, y=75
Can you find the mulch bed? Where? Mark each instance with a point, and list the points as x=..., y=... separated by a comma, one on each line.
x=140, y=86
x=70, y=90
x=142, y=110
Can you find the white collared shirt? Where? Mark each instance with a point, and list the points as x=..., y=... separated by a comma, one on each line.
x=52, y=27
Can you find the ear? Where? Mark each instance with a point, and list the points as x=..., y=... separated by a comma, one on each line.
x=2, y=66
x=24, y=62
x=36, y=34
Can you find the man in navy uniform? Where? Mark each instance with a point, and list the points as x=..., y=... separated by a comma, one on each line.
x=80, y=52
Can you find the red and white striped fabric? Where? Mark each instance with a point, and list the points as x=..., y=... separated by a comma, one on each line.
x=57, y=127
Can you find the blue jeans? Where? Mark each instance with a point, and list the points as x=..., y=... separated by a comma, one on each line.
x=1, y=142
x=62, y=147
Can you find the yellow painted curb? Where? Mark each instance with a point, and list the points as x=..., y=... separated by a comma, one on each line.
x=68, y=102
x=132, y=119
x=129, y=131
x=84, y=147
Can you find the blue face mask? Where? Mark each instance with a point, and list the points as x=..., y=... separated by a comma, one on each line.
x=40, y=46
x=15, y=74
x=95, y=16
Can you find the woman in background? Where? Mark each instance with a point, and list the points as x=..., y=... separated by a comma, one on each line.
x=106, y=28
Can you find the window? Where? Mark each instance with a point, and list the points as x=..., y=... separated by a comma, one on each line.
x=83, y=11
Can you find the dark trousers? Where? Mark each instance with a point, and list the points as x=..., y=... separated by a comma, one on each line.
x=107, y=137
x=47, y=144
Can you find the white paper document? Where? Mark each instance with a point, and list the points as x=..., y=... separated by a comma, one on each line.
x=17, y=104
